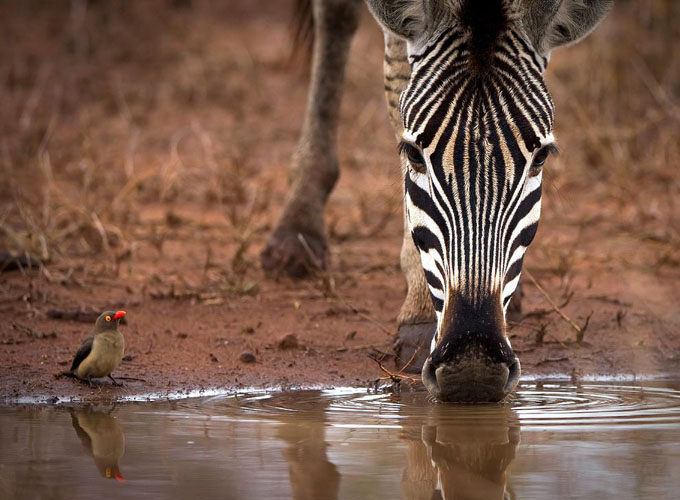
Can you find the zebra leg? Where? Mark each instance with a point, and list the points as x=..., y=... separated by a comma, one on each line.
x=297, y=244
x=514, y=312
x=416, y=320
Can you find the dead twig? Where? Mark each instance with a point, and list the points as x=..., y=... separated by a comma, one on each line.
x=363, y=315
x=34, y=334
x=551, y=360
x=131, y=378
x=396, y=378
x=413, y=357
x=580, y=330
x=375, y=347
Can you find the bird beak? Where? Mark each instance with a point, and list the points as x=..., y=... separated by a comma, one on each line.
x=119, y=314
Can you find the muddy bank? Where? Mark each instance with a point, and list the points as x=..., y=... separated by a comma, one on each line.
x=292, y=334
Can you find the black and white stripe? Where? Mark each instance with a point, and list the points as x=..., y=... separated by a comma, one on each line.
x=474, y=207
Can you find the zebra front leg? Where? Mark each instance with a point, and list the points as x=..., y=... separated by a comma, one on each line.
x=514, y=311
x=297, y=244
x=417, y=321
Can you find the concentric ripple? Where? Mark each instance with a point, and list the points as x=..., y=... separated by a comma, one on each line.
x=598, y=404
x=558, y=405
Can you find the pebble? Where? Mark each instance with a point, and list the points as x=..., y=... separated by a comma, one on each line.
x=289, y=341
x=247, y=357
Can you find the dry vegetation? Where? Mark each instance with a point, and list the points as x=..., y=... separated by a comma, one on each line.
x=143, y=153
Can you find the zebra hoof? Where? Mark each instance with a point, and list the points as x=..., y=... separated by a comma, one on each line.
x=294, y=253
x=412, y=346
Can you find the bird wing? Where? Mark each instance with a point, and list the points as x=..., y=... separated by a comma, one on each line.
x=84, y=437
x=83, y=351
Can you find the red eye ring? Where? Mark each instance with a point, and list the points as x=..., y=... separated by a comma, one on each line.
x=108, y=318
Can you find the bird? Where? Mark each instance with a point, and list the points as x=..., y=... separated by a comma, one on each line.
x=102, y=351
x=101, y=437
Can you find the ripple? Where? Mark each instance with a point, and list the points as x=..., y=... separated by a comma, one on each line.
x=536, y=405
x=597, y=404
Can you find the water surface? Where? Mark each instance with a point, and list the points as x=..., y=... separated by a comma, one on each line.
x=554, y=440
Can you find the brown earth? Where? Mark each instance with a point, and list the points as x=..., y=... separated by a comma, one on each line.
x=144, y=150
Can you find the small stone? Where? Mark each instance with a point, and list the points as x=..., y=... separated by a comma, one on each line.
x=128, y=357
x=213, y=358
x=172, y=219
x=247, y=357
x=182, y=335
x=289, y=341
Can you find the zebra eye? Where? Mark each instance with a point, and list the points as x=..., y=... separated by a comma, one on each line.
x=540, y=158
x=414, y=156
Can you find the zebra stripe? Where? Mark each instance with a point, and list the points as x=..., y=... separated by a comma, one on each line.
x=475, y=209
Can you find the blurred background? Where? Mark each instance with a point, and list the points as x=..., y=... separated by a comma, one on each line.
x=120, y=118
x=144, y=150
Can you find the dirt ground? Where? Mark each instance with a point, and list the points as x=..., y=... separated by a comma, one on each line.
x=144, y=150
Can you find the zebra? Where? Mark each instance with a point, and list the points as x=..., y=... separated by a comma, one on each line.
x=474, y=122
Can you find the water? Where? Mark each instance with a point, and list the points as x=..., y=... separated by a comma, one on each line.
x=591, y=441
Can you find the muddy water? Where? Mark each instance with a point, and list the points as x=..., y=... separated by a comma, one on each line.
x=591, y=441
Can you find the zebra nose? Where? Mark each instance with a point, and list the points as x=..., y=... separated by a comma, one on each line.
x=471, y=379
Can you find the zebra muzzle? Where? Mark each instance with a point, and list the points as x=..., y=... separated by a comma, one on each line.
x=472, y=378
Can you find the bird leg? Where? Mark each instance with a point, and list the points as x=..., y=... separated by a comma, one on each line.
x=92, y=384
x=115, y=382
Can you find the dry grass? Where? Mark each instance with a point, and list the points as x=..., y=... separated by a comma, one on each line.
x=134, y=133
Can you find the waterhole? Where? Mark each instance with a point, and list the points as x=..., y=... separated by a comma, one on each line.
x=552, y=440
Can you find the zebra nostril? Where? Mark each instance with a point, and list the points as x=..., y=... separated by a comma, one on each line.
x=429, y=377
x=514, y=372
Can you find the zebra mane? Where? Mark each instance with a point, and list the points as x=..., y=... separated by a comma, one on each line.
x=483, y=21
x=486, y=22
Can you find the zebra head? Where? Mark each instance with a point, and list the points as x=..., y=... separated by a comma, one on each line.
x=477, y=130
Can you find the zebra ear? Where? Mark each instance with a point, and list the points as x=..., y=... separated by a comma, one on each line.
x=554, y=23
x=404, y=18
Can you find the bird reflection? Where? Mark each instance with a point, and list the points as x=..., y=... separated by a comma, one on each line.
x=102, y=438
x=460, y=453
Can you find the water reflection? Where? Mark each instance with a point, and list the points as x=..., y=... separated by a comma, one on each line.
x=450, y=451
x=466, y=456
x=102, y=438
x=593, y=441
x=312, y=475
